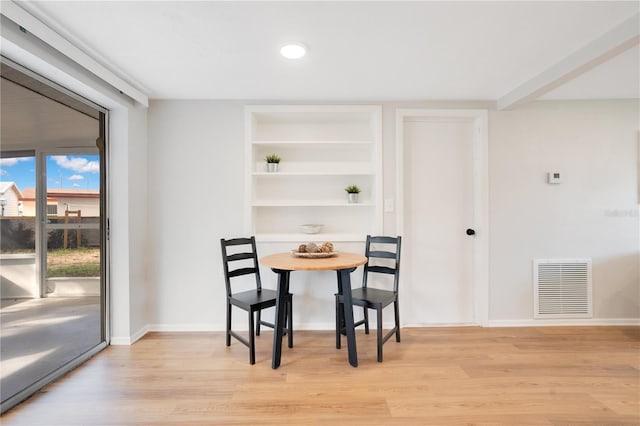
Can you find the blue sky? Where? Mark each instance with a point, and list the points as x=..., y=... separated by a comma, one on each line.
x=63, y=171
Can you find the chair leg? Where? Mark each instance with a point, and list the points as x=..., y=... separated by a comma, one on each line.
x=290, y=321
x=228, y=324
x=252, y=340
x=366, y=319
x=286, y=316
x=379, y=320
x=396, y=308
x=258, y=313
x=338, y=323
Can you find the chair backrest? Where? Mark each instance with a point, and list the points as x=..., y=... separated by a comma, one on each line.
x=243, y=253
x=372, y=255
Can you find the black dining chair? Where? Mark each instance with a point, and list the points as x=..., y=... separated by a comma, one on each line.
x=254, y=300
x=380, y=261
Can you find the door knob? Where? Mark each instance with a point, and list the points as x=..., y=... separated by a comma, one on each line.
x=471, y=231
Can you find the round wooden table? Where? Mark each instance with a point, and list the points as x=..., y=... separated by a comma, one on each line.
x=344, y=263
x=294, y=263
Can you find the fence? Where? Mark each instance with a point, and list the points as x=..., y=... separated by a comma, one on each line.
x=18, y=233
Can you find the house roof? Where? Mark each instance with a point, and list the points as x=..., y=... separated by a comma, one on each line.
x=30, y=193
x=6, y=186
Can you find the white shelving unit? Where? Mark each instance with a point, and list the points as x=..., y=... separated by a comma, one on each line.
x=323, y=149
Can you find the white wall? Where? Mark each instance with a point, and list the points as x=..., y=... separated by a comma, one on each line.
x=196, y=180
x=196, y=184
x=130, y=289
x=195, y=157
x=18, y=276
x=118, y=205
x=592, y=214
x=140, y=291
x=89, y=207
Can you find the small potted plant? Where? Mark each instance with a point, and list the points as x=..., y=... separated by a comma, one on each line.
x=272, y=162
x=352, y=193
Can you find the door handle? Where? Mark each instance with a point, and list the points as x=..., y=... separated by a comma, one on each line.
x=471, y=231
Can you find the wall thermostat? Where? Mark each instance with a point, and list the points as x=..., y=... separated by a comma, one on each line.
x=553, y=177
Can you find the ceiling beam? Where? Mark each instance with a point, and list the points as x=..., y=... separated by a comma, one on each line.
x=600, y=50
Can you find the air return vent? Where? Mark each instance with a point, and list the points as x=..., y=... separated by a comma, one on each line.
x=562, y=288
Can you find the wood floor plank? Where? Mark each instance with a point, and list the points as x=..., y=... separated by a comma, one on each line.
x=435, y=376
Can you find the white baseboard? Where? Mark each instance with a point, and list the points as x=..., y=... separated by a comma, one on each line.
x=139, y=334
x=128, y=341
x=186, y=327
x=322, y=326
x=438, y=324
x=222, y=327
x=120, y=341
x=315, y=326
x=566, y=322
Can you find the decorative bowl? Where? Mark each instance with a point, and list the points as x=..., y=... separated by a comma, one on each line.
x=313, y=255
x=311, y=228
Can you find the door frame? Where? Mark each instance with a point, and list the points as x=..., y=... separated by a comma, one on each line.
x=479, y=118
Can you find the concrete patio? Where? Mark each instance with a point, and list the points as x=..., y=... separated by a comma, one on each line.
x=40, y=335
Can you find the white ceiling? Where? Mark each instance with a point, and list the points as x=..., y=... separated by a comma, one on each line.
x=358, y=51
x=30, y=120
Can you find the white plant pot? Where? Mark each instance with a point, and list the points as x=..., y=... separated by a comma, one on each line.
x=353, y=197
x=272, y=167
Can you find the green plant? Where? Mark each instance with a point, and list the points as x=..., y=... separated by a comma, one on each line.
x=272, y=158
x=352, y=189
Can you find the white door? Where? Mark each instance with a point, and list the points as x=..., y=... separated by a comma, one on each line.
x=438, y=209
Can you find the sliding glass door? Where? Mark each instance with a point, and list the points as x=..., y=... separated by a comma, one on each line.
x=52, y=248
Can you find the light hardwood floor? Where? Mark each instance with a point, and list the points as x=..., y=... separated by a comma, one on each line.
x=466, y=375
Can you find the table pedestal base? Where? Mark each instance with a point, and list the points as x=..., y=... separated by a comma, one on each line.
x=344, y=289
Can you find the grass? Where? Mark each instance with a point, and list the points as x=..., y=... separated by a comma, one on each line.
x=82, y=270
x=77, y=262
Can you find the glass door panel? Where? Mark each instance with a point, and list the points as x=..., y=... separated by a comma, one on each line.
x=52, y=246
x=18, y=264
x=72, y=274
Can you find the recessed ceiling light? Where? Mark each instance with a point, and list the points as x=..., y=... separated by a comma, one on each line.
x=293, y=51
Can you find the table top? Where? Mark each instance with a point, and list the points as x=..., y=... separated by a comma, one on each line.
x=288, y=262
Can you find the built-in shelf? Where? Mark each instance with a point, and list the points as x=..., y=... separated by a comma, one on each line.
x=323, y=150
x=319, y=173
x=316, y=238
x=310, y=203
x=311, y=142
